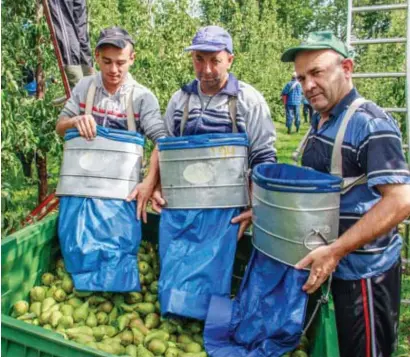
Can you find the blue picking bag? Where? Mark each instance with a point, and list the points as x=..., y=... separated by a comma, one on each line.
x=265, y=319
x=295, y=210
x=100, y=237
x=197, y=252
x=197, y=242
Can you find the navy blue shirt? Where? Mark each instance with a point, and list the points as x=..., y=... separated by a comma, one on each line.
x=293, y=90
x=372, y=145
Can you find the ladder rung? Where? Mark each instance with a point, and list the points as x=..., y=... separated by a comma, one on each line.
x=379, y=75
x=395, y=110
x=405, y=301
x=379, y=40
x=379, y=7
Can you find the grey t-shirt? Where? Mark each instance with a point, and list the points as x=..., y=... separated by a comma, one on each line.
x=111, y=110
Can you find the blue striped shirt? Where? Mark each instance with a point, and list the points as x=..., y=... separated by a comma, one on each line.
x=253, y=116
x=372, y=145
x=294, y=94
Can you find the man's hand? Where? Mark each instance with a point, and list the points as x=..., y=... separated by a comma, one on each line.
x=323, y=262
x=86, y=126
x=245, y=220
x=157, y=200
x=142, y=193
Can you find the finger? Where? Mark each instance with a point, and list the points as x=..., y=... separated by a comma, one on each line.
x=155, y=206
x=306, y=261
x=79, y=128
x=242, y=229
x=159, y=200
x=93, y=125
x=144, y=211
x=139, y=208
x=310, y=283
x=132, y=195
x=242, y=216
x=88, y=129
x=317, y=284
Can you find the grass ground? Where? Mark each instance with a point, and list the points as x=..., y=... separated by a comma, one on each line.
x=24, y=197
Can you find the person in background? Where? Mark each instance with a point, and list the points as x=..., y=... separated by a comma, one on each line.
x=69, y=20
x=307, y=110
x=292, y=97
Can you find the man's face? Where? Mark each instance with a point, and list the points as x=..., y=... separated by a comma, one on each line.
x=211, y=68
x=324, y=76
x=114, y=63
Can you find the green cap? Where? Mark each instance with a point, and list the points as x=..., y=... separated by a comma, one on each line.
x=319, y=40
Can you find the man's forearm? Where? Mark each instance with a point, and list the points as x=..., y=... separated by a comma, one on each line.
x=392, y=209
x=63, y=124
x=153, y=172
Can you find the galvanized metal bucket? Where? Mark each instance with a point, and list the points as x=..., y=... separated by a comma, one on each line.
x=295, y=210
x=204, y=171
x=107, y=167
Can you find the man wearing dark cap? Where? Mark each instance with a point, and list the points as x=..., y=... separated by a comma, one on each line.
x=365, y=259
x=217, y=115
x=212, y=57
x=115, y=95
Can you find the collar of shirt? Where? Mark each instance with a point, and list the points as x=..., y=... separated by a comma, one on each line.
x=338, y=109
x=231, y=87
x=129, y=81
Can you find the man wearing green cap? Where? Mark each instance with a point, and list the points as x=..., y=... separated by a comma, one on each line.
x=365, y=259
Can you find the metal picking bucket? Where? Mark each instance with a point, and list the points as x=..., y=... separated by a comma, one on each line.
x=106, y=167
x=295, y=210
x=204, y=171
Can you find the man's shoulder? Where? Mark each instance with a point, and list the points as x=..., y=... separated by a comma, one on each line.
x=83, y=85
x=139, y=90
x=249, y=96
x=371, y=111
x=179, y=96
x=371, y=119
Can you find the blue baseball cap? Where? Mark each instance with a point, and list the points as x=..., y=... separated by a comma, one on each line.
x=211, y=39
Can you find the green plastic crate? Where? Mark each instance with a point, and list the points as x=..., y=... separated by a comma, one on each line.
x=27, y=254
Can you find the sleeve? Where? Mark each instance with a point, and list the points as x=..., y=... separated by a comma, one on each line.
x=380, y=153
x=285, y=90
x=72, y=106
x=150, y=117
x=261, y=134
x=169, y=114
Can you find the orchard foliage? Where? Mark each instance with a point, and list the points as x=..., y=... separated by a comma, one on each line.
x=261, y=30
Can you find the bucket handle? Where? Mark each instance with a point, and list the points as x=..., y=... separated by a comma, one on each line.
x=316, y=232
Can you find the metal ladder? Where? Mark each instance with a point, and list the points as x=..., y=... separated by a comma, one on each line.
x=351, y=42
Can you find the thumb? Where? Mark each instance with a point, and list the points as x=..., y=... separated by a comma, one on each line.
x=306, y=261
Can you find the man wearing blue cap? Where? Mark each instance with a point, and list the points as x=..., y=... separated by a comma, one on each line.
x=365, y=259
x=212, y=57
x=214, y=108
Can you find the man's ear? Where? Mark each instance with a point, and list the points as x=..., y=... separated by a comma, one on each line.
x=230, y=60
x=348, y=66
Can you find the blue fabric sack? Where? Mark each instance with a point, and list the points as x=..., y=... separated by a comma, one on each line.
x=100, y=238
x=265, y=319
x=197, y=252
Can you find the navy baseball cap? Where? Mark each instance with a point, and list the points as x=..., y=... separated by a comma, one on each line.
x=211, y=39
x=115, y=36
